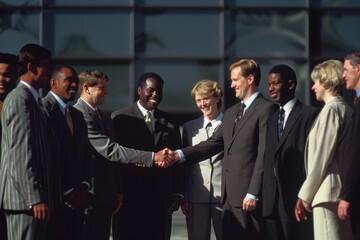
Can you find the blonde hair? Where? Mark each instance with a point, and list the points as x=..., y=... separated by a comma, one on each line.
x=247, y=67
x=329, y=75
x=207, y=88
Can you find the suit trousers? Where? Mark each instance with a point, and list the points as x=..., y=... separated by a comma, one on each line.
x=98, y=224
x=3, y=235
x=203, y=217
x=328, y=226
x=21, y=225
x=239, y=224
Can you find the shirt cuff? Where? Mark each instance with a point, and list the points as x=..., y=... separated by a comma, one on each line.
x=250, y=196
x=182, y=156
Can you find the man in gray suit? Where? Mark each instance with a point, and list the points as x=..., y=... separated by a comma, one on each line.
x=108, y=153
x=29, y=180
x=241, y=136
x=203, y=209
x=8, y=77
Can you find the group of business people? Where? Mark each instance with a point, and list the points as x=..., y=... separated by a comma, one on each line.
x=281, y=160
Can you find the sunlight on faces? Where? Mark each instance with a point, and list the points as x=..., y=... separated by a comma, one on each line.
x=239, y=83
x=150, y=94
x=351, y=75
x=98, y=92
x=7, y=78
x=207, y=105
x=319, y=90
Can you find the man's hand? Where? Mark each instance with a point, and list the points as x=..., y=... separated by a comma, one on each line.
x=344, y=209
x=175, y=203
x=119, y=205
x=41, y=211
x=300, y=207
x=249, y=204
x=165, y=158
x=185, y=209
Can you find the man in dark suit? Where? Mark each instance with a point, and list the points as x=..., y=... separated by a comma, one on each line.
x=73, y=153
x=350, y=170
x=284, y=170
x=242, y=137
x=148, y=192
x=29, y=179
x=107, y=154
x=8, y=77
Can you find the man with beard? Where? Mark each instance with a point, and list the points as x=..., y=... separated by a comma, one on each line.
x=284, y=170
x=73, y=153
x=148, y=192
x=8, y=77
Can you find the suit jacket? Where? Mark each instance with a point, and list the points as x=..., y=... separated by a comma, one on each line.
x=73, y=151
x=350, y=165
x=107, y=154
x=244, y=150
x=28, y=172
x=284, y=170
x=322, y=153
x=139, y=182
x=203, y=180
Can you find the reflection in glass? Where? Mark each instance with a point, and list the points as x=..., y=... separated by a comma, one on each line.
x=88, y=2
x=178, y=2
x=19, y=2
x=177, y=33
x=179, y=78
x=68, y=36
x=18, y=28
x=267, y=3
x=266, y=33
x=340, y=3
x=339, y=34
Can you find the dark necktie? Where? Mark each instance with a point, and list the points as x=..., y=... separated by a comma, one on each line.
x=239, y=115
x=98, y=114
x=209, y=129
x=281, y=121
x=69, y=120
x=356, y=100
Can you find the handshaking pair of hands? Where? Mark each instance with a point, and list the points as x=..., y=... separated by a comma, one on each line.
x=165, y=158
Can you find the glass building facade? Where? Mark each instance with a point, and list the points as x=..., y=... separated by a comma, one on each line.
x=183, y=40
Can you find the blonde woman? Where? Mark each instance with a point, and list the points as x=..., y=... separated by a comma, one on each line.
x=320, y=191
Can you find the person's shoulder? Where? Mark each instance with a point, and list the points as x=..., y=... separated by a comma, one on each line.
x=194, y=122
x=122, y=111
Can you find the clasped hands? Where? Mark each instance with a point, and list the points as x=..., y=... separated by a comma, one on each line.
x=165, y=158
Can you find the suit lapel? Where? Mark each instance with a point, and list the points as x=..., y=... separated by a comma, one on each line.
x=293, y=117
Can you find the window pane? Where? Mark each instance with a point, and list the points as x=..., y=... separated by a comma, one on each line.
x=17, y=29
x=19, y=2
x=342, y=3
x=177, y=33
x=105, y=34
x=178, y=2
x=263, y=3
x=339, y=34
x=179, y=78
x=118, y=85
x=266, y=33
x=88, y=2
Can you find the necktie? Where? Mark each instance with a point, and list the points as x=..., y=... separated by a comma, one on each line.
x=69, y=120
x=41, y=106
x=281, y=121
x=209, y=129
x=356, y=100
x=98, y=114
x=148, y=121
x=240, y=114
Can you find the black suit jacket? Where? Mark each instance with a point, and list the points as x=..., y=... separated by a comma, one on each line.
x=73, y=151
x=244, y=150
x=154, y=184
x=285, y=158
x=350, y=167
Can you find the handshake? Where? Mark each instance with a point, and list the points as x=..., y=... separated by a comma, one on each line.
x=165, y=158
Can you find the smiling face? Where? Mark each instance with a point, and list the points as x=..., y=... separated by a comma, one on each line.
x=281, y=91
x=351, y=75
x=150, y=93
x=208, y=105
x=8, y=76
x=66, y=84
x=240, y=84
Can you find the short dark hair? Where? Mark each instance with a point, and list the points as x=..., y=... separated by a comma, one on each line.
x=145, y=76
x=354, y=58
x=10, y=59
x=286, y=72
x=31, y=53
x=91, y=77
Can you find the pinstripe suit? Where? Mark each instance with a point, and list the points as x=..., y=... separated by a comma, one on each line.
x=28, y=173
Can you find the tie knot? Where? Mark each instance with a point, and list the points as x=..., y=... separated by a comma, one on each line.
x=282, y=110
x=148, y=117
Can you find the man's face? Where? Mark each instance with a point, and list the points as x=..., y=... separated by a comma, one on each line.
x=239, y=83
x=42, y=74
x=8, y=76
x=66, y=86
x=150, y=94
x=207, y=105
x=279, y=90
x=98, y=93
x=351, y=76
x=319, y=91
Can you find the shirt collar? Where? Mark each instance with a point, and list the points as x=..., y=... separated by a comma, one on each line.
x=289, y=105
x=215, y=122
x=144, y=110
x=33, y=91
x=358, y=93
x=60, y=102
x=93, y=108
x=249, y=101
